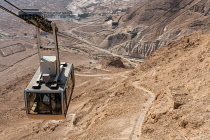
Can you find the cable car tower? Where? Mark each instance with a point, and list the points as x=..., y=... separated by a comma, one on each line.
x=49, y=93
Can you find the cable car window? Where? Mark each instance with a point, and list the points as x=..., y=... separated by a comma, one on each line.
x=56, y=103
x=31, y=103
x=44, y=103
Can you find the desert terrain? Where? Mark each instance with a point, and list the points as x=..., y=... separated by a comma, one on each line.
x=124, y=90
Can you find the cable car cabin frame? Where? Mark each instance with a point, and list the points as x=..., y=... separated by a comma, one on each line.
x=49, y=93
x=47, y=102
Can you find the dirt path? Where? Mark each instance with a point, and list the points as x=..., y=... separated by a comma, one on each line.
x=92, y=75
x=72, y=35
x=137, y=130
x=136, y=133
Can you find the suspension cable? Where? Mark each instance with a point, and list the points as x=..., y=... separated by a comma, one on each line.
x=5, y=9
x=15, y=7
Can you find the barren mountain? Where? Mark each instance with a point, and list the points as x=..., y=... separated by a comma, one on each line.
x=179, y=75
x=156, y=23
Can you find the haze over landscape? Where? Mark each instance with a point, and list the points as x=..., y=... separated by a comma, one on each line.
x=142, y=69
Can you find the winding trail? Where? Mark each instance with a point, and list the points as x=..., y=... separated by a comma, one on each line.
x=133, y=62
x=137, y=130
x=71, y=35
x=136, y=133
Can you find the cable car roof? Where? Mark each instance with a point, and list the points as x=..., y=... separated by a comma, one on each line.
x=46, y=87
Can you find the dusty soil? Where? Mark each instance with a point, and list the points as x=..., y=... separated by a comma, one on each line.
x=178, y=74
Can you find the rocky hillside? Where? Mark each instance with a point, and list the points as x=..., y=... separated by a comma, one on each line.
x=179, y=75
x=156, y=23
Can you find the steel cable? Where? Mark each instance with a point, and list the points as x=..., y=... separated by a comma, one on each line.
x=5, y=9
x=15, y=6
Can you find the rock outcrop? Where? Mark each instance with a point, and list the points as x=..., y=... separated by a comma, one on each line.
x=139, y=49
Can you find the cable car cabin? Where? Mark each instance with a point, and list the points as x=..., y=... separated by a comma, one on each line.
x=49, y=100
x=49, y=93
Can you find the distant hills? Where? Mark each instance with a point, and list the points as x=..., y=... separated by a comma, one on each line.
x=158, y=22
